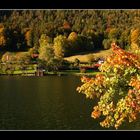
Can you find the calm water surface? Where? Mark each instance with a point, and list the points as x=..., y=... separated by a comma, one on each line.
x=46, y=103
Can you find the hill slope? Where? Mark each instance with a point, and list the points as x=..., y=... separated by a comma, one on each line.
x=89, y=56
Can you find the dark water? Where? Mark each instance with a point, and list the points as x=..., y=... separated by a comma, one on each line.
x=46, y=103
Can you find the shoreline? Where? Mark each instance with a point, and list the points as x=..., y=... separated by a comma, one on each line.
x=59, y=73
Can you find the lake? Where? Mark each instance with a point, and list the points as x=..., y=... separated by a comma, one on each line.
x=46, y=103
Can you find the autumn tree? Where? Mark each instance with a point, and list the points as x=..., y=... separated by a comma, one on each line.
x=60, y=45
x=72, y=36
x=29, y=37
x=66, y=28
x=135, y=35
x=93, y=25
x=116, y=89
x=2, y=35
x=45, y=49
x=47, y=57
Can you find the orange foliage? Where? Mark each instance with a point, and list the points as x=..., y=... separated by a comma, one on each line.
x=2, y=36
x=121, y=79
x=72, y=36
x=66, y=25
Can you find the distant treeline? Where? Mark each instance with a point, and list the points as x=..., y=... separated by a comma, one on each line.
x=76, y=30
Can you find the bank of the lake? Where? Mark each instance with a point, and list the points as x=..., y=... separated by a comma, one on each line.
x=58, y=73
x=72, y=72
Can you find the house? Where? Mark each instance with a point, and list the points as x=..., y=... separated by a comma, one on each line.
x=100, y=61
x=93, y=67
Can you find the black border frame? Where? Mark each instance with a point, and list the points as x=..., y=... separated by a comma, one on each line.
x=69, y=4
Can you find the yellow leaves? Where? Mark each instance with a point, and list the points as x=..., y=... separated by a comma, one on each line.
x=85, y=79
x=27, y=34
x=134, y=46
x=109, y=59
x=1, y=28
x=109, y=121
x=134, y=35
x=2, y=36
x=132, y=117
x=118, y=123
x=116, y=116
x=60, y=44
x=72, y=36
x=134, y=82
x=2, y=40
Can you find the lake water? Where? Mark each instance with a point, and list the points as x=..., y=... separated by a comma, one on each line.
x=46, y=103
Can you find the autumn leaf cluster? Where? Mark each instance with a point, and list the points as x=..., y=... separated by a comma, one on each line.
x=117, y=89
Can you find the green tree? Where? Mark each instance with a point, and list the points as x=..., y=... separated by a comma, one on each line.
x=113, y=34
x=45, y=50
x=60, y=45
x=106, y=43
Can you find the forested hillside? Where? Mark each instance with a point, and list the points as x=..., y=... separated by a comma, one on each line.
x=79, y=29
x=51, y=35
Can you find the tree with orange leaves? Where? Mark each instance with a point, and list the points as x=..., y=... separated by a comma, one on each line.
x=2, y=35
x=117, y=88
